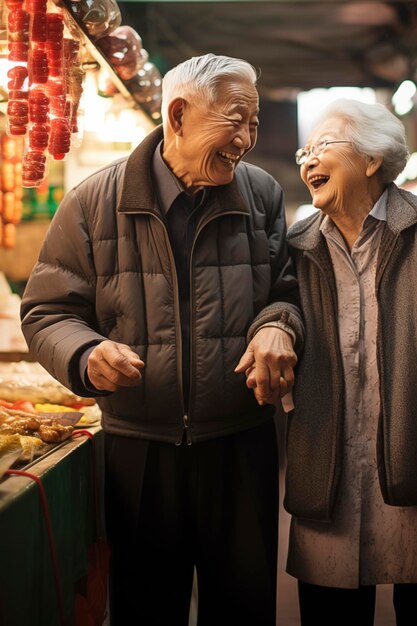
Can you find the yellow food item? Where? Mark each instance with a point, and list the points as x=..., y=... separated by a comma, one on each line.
x=9, y=443
x=32, y=447
x=58, y=408
x=30, y=444
x=52, y=408
x=10, y=451
x=91, y=414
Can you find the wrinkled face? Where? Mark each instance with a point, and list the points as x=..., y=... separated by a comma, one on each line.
x=215, y=138
x=337, y=177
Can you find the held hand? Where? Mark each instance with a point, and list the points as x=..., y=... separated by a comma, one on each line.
x=271, y=397
x=268, y=363
x=113, y=365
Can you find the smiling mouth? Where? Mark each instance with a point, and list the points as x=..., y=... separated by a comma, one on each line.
x=228, y=157
x=318, y=181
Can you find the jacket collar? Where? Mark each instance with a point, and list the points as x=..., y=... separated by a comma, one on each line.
x=138, y=193
x=401, y=209
x=227, y=199
x=401, y=213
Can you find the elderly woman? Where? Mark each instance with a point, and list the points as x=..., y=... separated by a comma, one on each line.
x=351, y=482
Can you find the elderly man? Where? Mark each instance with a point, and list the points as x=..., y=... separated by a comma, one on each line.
x=163, y=279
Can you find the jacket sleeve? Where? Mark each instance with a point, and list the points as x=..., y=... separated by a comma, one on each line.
x=283, y=298
x=57, y=309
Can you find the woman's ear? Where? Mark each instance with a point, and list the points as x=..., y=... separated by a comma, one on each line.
x=373, y=166
x=175, y=114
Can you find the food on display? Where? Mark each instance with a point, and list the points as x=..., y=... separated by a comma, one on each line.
x=45, y=84
x=31, y=423
x=123, y=49
x=18, y=34
x=99, y=17
x=60, y=138
x=33, y=170
x=37, y=433
x=29, y=438
x=38, y=136
x=89, y=414
x=79, y=413
x=32, y=447
x=38, y=106
x=20, y=405
x=11, y=449
x=8, y=443
x=29, y=388
x=55, y=45
x=39, y=25
x=38, y=66
x=23, y=380
x=11, y=192
x=145, y=87
x=51, y=429
x=17, y=113
x=47, y=41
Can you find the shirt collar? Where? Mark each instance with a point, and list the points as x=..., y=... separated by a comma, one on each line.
x=167, y=185
x=378, y=212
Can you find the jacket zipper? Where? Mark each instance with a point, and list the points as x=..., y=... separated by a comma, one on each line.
x=185, y=418
x=186, y=430
x=198, y=231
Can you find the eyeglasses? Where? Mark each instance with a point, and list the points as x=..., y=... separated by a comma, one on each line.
x=302, y=154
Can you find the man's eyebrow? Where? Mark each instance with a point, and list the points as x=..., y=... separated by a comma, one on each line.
x=242, y=108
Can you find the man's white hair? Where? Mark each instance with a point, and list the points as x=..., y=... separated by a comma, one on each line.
x=199, y=78
x=374, y=131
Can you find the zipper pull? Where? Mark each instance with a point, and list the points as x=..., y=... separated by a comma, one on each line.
x=186, y=430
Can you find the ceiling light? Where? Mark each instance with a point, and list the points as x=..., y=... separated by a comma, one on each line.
x=403, y=98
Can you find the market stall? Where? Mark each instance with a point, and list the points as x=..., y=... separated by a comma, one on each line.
x=51, y=518
x=32, y=591
x=69, y=70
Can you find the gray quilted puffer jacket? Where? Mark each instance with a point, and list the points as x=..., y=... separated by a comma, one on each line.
x=106, y=270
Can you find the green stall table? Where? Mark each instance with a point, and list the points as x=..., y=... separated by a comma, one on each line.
x=29, y=595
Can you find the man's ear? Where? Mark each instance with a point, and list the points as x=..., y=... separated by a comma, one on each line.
x=175, y=114
x=373, y=165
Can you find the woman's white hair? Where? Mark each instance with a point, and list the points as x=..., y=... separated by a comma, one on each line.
x=199, y=78
x=374, y=131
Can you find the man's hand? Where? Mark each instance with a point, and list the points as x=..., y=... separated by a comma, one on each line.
x=268, y=363
x=113, y=365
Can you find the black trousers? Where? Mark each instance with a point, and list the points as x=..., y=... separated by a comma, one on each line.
x=213, y=506
x=329, y=606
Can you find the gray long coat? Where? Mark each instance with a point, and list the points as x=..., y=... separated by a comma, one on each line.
x=315, y=428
